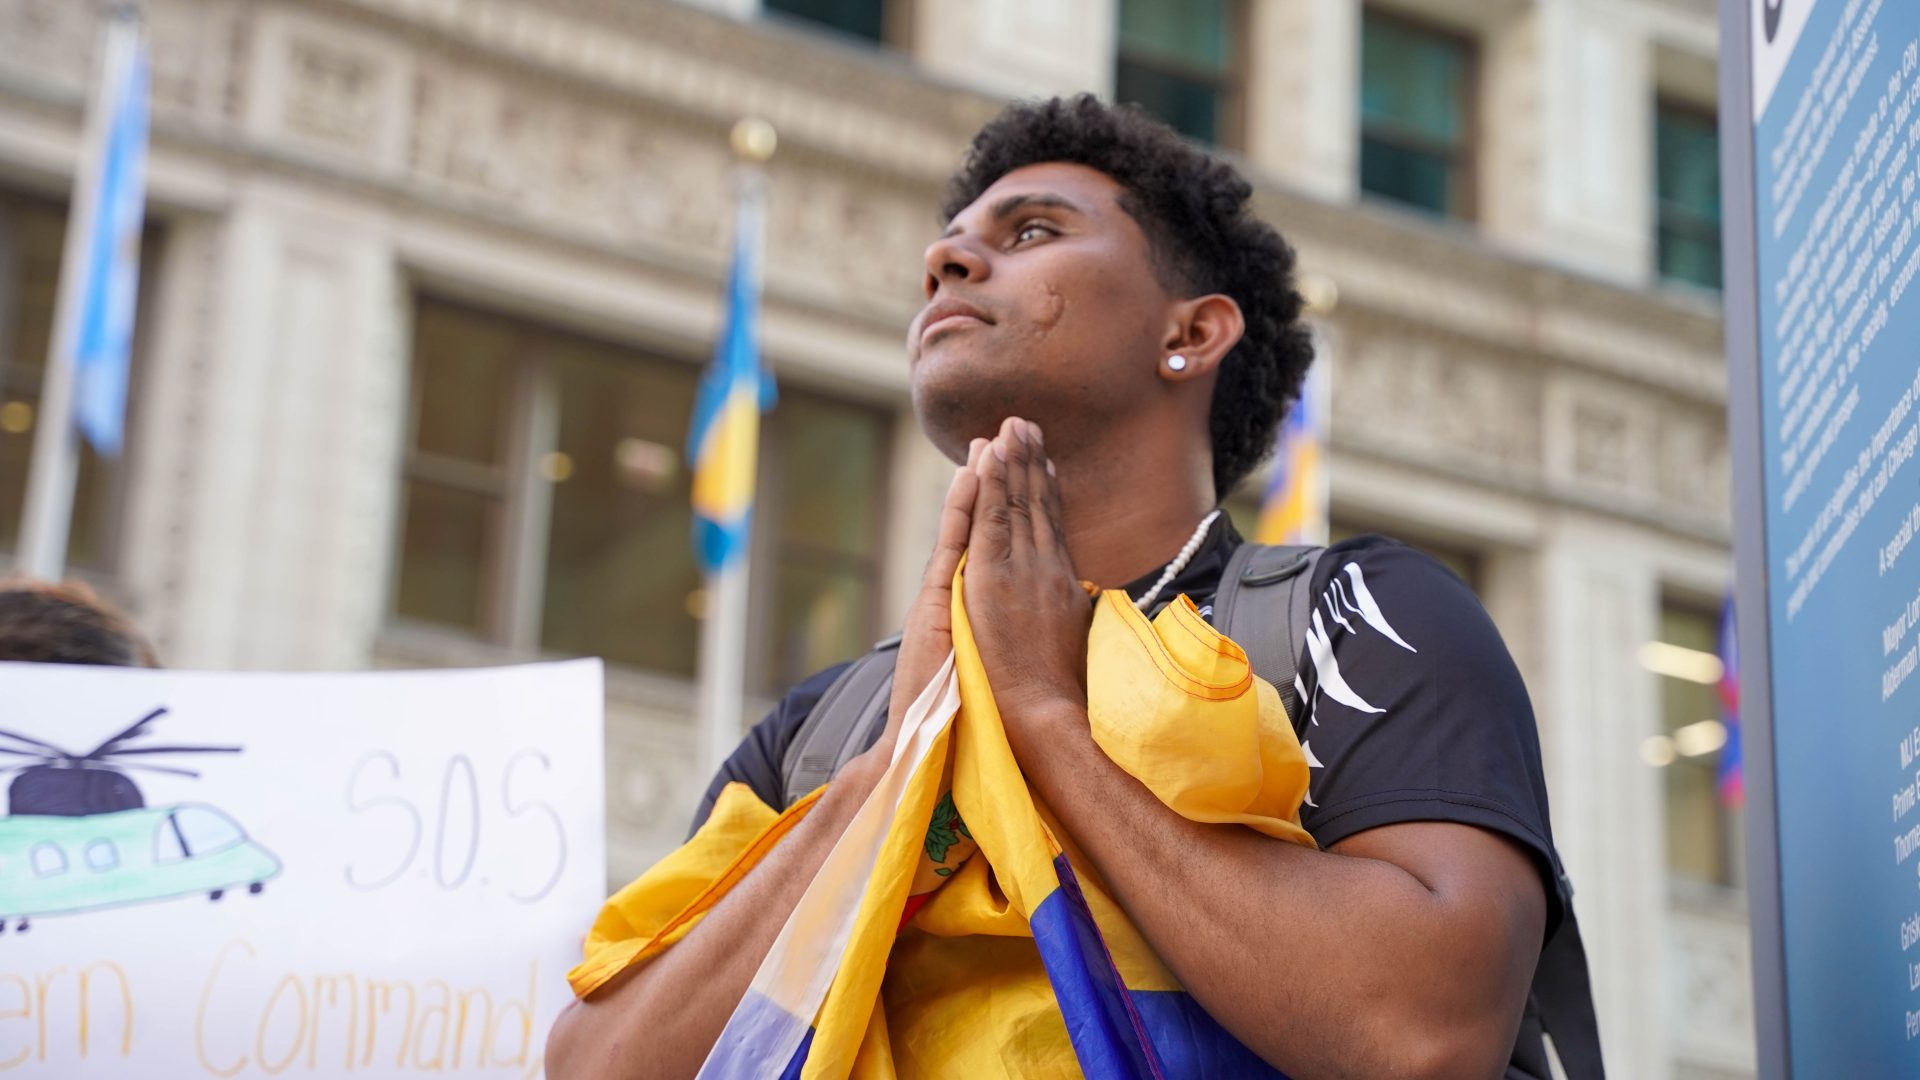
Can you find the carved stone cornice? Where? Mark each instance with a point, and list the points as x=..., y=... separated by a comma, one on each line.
x=1446, y=276
x=1441, y=403
x=869, y=107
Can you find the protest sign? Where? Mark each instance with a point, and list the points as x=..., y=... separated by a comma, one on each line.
x=239, y=875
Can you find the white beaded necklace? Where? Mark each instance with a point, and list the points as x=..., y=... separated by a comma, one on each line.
x=1179, y=562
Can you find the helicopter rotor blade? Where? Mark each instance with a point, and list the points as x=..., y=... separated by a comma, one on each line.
x=168, y=750
x=159, y=768
x=30, y=741
x=133, y=731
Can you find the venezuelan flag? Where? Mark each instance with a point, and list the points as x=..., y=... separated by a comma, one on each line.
x=1294, y=509
x=724, y=443
x=954, y=930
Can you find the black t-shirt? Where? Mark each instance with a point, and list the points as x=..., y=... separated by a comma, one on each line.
x=1413, y=709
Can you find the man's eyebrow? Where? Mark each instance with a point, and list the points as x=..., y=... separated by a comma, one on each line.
x=1013, y=204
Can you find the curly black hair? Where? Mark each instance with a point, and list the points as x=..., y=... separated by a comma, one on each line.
x=1204, y=238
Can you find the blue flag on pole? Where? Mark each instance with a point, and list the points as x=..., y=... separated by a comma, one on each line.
x=1294, y=508
x=724, y=443
x=112, y=278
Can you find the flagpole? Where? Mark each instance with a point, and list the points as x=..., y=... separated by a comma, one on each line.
x=48, y=512
x=1322, y=296
x=723, y=631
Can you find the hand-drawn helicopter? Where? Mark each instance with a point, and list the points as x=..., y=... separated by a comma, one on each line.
x=79, y=836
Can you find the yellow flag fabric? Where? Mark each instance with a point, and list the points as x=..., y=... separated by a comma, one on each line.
x=1014, y=959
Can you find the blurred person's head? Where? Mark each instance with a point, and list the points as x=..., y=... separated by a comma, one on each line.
x=1087, y=246
x=66, y=624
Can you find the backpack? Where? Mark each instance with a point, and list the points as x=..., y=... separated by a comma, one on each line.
x=853, y=711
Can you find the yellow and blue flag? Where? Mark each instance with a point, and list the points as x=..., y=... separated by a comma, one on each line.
x=955, y=930
x=724, y=443
x=1294, y=509
x=111, y=277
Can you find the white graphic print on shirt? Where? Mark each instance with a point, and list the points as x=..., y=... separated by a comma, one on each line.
x=1342, y=598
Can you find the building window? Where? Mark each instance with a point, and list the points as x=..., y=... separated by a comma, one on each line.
x=822, y=502
x=1687, y=161
x=31, y=233
x=1416, y=114
x=1179, y=61
x=547, y=504
x=868, y=19
x=1703, y=839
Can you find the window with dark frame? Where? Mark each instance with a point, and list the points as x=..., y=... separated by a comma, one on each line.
x=1702, y=833
x=1181, y=63
x=1687, y=194
x=547, y=504
x=32, y=231
x=1417, y=114
x=822, y=507
x=870, y=20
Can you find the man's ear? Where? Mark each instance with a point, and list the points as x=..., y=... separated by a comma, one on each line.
x=1203, y=331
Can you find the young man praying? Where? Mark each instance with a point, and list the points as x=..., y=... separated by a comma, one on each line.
x=1109, y=341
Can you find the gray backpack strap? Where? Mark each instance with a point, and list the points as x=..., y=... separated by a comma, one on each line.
x=1273, y=645
x=834, y=732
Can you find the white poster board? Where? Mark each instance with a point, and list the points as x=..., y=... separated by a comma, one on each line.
x=376, y=875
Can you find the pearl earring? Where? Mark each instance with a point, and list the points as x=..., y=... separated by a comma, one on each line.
x=1176, y=363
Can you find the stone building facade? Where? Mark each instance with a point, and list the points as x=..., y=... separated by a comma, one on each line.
x=335, y=182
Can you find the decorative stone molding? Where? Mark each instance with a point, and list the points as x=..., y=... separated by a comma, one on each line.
x=1437, y=398
x=498, y=139
x=650, y=179
x=334, y=100
x=49, y=42
x=1440, y=403
x=199, y=53
x=716, y=69
x=1607, y=451
x=197, y=49
x=1710, y=987
x=1693, y=462
x=326, y=89
x=858, y=244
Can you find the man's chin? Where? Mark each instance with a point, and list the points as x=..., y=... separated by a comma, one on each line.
x=958, y=398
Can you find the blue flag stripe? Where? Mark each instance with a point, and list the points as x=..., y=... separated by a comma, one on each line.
x=102, y=353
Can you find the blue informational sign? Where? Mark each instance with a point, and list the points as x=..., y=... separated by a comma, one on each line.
x=1830, y=316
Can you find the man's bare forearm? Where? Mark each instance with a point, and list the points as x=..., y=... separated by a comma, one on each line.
x=661, y=1019
x=1326, y=965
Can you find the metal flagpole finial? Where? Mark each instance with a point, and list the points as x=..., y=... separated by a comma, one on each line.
x=754, y=140
x=1320, y=292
